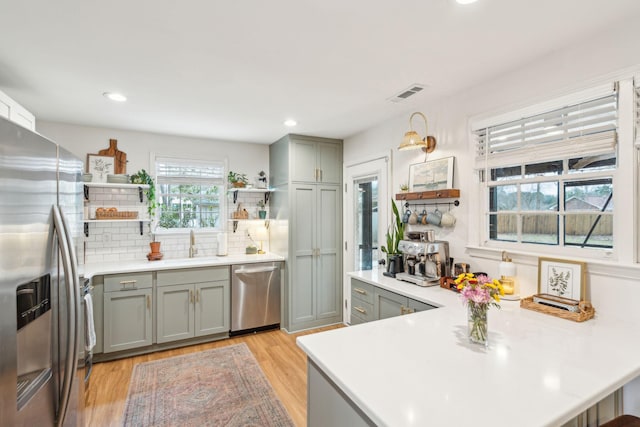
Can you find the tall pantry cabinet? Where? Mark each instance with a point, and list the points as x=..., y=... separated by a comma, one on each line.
x=306, y=227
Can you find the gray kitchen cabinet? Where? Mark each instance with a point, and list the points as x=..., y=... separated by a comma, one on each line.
x=175, y=313
x=362, y=298
x=369, y=302
x=127, y=319
x=192, y=303
x=128, y=311
x=388, y=304
x=315, y=161
x=316, y=251
x=307, y=201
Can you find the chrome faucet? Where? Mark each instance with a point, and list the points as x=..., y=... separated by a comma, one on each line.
x=192, y=247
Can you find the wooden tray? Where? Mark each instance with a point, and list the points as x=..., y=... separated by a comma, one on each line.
x=117, y=215
x=586, y=310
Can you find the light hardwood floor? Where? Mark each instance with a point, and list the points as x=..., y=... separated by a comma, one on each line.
x=281, y=360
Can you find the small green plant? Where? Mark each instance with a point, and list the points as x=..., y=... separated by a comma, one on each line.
x=404, y=187
x=142, y=177
x=261, y=204
x=395, y=233
x=237, y=179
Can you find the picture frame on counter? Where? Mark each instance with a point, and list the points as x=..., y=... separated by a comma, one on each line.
x=100, y=166
x=431, y=175
x=562, y=278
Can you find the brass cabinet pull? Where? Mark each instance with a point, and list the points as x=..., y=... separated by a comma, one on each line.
x=191, y=295
x=406, y=310
x=198, y=295
x=148, y=302
x=360, y=291
x=360, y=310
x=125, y=283
x=320, y=175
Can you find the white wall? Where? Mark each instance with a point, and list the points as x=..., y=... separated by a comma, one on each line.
x=121, y=242
x=600, y=58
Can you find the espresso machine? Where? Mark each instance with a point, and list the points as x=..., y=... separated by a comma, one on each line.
x=424, y=262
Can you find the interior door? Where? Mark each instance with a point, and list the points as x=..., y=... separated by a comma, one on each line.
x=366, y=209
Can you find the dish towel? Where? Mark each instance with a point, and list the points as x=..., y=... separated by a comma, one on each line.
x=90, y=330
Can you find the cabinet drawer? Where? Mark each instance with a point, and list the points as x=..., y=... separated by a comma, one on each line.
x=361, y=291
x=127, y=281
x=363, y=310
x=192, y=275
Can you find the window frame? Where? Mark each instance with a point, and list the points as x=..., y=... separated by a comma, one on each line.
x=222, y=191
x=482, y=220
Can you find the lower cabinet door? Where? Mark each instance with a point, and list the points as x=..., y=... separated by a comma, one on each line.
x=175, y=312
x=212, y=314
x=387, y=304
x=127, y=319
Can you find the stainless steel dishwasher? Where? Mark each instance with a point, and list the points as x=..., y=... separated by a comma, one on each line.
x=255, y=296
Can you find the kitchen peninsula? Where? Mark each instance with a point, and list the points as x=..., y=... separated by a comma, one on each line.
x=420, y=369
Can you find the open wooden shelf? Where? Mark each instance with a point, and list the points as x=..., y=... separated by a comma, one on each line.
x=426, y=195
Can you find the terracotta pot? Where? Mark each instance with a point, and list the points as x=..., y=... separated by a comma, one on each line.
x=155, y=247
x=238, y=184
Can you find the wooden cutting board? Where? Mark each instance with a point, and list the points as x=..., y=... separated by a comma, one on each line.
x=120, y=157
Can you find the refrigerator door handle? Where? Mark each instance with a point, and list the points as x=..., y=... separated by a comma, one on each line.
x=69, y=372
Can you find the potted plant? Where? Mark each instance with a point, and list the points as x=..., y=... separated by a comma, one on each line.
x=142, y=177
x=262, y=213
x=395, y=233
x=404, y=187
x=237, y=180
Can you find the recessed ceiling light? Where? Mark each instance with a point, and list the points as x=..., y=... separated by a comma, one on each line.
x=290, y=123
x=466, y=1
x=118, y=97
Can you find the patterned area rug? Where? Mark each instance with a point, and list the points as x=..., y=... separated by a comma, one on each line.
x=221, y=387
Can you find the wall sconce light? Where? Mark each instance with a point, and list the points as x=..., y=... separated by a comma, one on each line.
x=412, y=139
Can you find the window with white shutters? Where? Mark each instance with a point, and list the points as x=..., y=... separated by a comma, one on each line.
x=549, y=177
x=190, y=193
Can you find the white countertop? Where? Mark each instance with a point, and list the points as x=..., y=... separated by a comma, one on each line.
x=420, y=369
x=90, y=270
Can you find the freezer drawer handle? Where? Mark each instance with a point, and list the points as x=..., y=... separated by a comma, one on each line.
x=361, y=310
x=360, y=291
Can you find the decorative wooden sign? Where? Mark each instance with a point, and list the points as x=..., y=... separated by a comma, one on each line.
x=120, y=157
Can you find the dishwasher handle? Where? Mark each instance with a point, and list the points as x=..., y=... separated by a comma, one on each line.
x=243, y=270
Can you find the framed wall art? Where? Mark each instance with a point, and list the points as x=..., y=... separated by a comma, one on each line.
x=561, y=277
x=100, y=166
x=431, y=175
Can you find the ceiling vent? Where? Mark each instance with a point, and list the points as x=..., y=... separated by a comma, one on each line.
x=407, y=93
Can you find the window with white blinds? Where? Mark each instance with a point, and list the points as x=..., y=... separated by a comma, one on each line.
x=549, y=175
x=588, y=127
x=190, y=193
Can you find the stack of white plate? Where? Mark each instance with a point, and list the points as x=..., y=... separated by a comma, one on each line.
x=118, y=179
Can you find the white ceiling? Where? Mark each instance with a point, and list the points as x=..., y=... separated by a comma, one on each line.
x=236, y=69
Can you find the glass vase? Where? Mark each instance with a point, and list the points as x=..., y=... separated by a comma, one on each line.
x=477, y=326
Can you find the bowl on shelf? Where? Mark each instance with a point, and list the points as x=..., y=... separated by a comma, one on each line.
x=118, y=179
x=87, y=177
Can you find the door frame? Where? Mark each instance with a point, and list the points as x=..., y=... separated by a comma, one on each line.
x=379, y=165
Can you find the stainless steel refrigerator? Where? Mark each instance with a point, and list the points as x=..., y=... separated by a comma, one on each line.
x=41, y=371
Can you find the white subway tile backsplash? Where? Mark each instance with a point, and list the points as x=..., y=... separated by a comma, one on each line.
x=121, y=241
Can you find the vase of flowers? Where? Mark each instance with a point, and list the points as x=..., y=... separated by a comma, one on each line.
x=479, y=294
